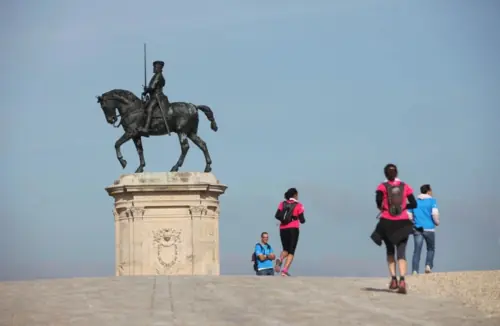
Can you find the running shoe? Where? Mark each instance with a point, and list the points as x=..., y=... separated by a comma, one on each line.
x=402, y=287
x=277, y=267
x=393, y=285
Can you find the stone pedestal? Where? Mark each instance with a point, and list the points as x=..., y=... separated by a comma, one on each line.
x=167, y=223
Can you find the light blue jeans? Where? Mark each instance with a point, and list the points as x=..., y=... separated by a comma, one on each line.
x=430, y=243
x=265, y=272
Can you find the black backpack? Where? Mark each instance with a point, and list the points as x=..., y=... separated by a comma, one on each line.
x=285, y=216
x=254, y=257
x=395, y=198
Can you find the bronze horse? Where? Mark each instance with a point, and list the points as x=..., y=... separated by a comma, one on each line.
x=184, y=122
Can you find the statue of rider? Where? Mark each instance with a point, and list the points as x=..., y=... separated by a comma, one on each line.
x=156, y=96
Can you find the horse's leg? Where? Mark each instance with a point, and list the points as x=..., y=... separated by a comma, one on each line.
x=140, y=151
x=203, y=146
x=123, y=139
x=184, y=149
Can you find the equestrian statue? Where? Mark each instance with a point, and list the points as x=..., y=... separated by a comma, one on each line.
x=154, y=115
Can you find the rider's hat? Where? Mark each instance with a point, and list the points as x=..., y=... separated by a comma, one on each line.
x=161, y=63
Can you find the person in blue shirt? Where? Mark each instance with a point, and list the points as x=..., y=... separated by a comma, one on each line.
x=264, y=256
x=425, y=219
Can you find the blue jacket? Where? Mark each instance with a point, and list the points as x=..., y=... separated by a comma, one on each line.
x=426, y=215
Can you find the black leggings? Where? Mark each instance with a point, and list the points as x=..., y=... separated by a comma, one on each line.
x=399, y=248
x=289, y=239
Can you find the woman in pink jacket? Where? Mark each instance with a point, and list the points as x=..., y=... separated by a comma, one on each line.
x=291, y=214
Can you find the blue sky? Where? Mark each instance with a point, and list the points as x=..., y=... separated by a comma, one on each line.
x=319, y=95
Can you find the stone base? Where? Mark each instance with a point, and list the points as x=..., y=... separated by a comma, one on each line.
x=167, y=223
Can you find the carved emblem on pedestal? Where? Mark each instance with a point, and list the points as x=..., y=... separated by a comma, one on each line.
x=166, y=241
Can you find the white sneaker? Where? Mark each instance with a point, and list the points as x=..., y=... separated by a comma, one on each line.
x=415, y=273
x=428, y=269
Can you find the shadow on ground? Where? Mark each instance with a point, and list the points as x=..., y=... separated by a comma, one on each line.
x=369, y=289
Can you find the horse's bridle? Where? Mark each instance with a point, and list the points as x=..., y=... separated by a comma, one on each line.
x=119, y=122
x=123, y=117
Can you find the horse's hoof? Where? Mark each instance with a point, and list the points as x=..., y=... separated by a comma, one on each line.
x=139, y=170
x=208, y=169
x=174, y=169
x=123, y=163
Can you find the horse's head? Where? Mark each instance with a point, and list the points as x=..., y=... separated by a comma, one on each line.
x=118, y=99
x=108, y=106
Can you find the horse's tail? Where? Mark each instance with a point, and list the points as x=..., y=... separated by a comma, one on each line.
x=209, y=114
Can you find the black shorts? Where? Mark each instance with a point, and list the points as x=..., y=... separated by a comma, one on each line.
x=396, y=248
x=289, y=239
x=395, y=236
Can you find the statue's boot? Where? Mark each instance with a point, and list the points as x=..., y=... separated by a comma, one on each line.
x=144, y=131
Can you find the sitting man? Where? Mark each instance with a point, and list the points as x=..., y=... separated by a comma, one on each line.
x=263, y=257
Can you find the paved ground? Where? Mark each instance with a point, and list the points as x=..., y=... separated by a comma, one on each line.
x=226, y=300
